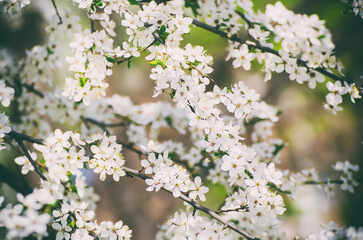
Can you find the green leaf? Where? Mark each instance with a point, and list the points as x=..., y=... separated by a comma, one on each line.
x=321, y=37
x=83, y=81
x=168, y=120
x=110, y=59
x=173, y=156
x=278, y=148
x=172, y=94
x=49, y=51
x=157, y=62
x=249, y=173
x=133, y=2
x=129, y=64
x=219, y=154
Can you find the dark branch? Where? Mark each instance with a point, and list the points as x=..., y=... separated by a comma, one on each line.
x=20, y=138
x=198, y=206
x=30, y=88
x=56, y=11
x=256, y=45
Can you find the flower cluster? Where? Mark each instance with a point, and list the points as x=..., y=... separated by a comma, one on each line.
x=356, y=6
x=346, y=170
x=6, y=94
x=63, y=155
x=333, y=232
x=107, y=158
x=4, y=128
x=189, y=226
x=334, y=98
x=171, y=177
x=27, y=218
x=91, y=62
x=13, y=7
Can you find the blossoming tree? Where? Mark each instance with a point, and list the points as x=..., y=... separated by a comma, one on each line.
x=213, y=118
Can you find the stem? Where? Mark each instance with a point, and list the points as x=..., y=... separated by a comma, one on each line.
x=56, y=11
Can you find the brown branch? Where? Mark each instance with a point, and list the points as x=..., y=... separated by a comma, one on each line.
x=129, y=58
x=20, y=138
x=198, y=206
x=256, y=45
x=30, y=88
x=243, y=208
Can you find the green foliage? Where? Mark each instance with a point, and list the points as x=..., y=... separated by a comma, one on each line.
x=193, y=4
x=157, y=62
x=96, y=3
x=110, y=59
x=168, y=120
x=133, y=2
x=83, y=81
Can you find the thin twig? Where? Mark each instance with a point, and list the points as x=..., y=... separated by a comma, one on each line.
x=30, y=88
x=203, y=75
x=94, y=121
x=243, y=208
x=56, y=11
x=20, y=138
x=129, y=58
x=26, y=152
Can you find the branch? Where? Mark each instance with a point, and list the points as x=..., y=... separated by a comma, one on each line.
x=101, y=124
x=56, y=11
x=23, y=137
x=142, y=50
x=20, y=138
x=336, y=181
x=256, y=45
x=30, y=88
x=198, y=206
x=233, y=210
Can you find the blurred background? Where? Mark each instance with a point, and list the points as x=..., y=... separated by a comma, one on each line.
x=315, y=138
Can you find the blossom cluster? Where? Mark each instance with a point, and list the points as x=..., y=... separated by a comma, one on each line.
x=356, y=6
x=171, y=177
x=13, y=7
x=216, y=119
x=332, y=232
x=306, y=45
x=346, y=170
x=4, y=128
x=187, y=226
x=71, y=200
x=107, y=158
x=27, y=218
x=311, y=176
